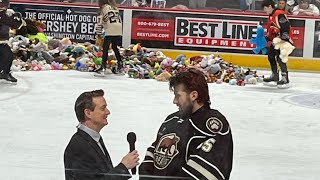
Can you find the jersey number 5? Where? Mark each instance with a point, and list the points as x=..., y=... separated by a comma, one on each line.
x=207, y=145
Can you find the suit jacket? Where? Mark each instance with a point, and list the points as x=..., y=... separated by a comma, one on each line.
x=84, y=160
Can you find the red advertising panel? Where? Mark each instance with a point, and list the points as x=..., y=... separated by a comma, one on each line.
x=152, y=29
x=229, y=33
x=297, y=35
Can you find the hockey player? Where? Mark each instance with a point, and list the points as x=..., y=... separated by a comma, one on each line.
x=8, y=19
x=193, y=143
x=110, y=21
x=278, y=26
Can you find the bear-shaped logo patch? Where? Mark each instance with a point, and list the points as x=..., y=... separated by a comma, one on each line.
x=166, y=150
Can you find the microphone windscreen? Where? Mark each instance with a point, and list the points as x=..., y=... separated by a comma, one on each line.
x=131, y=137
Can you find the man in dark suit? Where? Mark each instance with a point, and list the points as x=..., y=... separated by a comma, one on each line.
x=86, y=157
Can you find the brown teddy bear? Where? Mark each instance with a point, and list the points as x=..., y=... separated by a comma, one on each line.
x=164, y=76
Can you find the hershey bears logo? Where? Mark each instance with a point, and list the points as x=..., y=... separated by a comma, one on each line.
x=166, y=150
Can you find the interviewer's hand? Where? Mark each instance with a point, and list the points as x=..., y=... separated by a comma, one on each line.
x=131, y=160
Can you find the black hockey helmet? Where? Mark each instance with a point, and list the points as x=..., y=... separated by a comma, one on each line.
x=4, y=3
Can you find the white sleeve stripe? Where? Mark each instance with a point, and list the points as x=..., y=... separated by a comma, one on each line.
x=215, y=167
x=187, y=148
x=23, y=23
x=99, y=20
x=149, y=154
x=4, y=42
x=174, y=117
x=207, y=134
x=190, y=173
x=225, y=132
x=201, y=170
x=99, y=29
x=147, y=161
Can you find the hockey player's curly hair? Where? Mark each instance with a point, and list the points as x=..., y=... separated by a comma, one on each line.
x=193, y=80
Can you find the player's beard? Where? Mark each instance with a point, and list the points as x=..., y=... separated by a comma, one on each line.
x=186, y=109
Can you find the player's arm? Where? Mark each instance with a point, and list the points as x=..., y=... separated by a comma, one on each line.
x=99, y=26
x=102, y=18
x=210, y=157
x=146, y=169
x=273, y=31
x=12, y=19
x=284, y=25
x=147, y=166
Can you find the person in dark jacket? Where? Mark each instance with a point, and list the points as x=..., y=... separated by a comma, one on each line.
x=86, y=156
x=8, y=19
x=193, y=143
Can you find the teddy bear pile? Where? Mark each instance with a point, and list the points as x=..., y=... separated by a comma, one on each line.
x=33, y=50
x=144, y=64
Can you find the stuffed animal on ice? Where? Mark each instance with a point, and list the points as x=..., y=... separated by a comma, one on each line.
x=164, y=76
x=33, y=29
x=64, y=44
x=16, y=65
x=78, y=51
x=30, y=28
x=167, y=62
x=16, y=42
x=181, y=59
x=53, y=44
x=285, y=47
x=20, y=47
x=260, y=41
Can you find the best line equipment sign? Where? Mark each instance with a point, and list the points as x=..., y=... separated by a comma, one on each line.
x=214, y=33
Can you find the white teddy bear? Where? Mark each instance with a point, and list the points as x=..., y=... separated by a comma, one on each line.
x=285, y=47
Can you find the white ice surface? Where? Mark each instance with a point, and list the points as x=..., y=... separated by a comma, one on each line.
x=274, y=138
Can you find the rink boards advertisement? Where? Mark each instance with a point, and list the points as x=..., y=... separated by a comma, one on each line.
x=173, y=30
x=204, y=32
x=75, y=22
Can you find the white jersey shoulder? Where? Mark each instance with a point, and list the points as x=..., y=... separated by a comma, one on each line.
x=111, y=21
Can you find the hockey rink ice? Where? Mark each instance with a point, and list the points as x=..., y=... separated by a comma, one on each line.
x=276, y=132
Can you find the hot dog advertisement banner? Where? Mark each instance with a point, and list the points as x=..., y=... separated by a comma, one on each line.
x=75, y=22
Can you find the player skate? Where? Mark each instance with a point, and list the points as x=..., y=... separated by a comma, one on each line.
x=272, y=80
x=101, y=72
x=8, y=79
x=118, y=71
x=284, y=82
